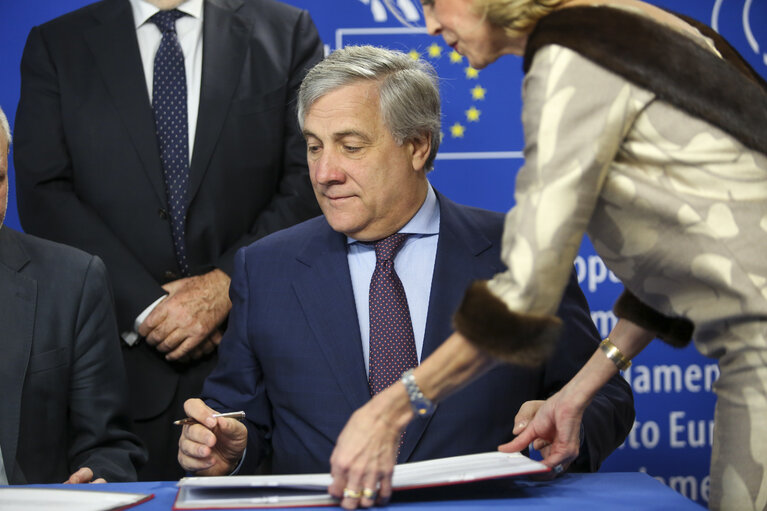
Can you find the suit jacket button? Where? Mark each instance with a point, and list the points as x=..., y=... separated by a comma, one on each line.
x=170, y=276
x=163, y=214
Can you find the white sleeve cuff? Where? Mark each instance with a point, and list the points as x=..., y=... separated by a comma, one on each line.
x=236, y=470
x=131, y=337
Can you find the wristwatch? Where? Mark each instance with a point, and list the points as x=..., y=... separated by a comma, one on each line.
x=422, y=405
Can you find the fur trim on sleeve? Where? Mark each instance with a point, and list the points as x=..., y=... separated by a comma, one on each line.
x=676, y=332
x=522, y=339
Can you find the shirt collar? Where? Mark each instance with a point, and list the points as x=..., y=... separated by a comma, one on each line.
x=424, y=222
x=143, y=10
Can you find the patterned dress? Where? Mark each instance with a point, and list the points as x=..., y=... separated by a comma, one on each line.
x=676, y=207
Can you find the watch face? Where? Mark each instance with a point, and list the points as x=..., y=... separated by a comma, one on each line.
x=423, y=407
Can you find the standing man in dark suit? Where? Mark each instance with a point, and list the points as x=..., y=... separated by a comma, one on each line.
x=304, y=346
x=161, y=136
x=63, y=413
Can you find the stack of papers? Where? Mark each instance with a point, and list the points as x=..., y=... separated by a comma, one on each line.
x=24, y=499
x=232, y=492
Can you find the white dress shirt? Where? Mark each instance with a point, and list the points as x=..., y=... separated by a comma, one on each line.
x=189, y=32
x=414, y=264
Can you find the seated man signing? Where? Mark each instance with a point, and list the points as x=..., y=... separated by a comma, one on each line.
x=63, y=412
x=331, y=311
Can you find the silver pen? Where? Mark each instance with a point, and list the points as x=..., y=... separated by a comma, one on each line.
x=230, y=415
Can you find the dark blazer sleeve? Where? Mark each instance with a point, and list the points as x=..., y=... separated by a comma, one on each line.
x=48, y=202
x=237, y=382
x=72, y=409
x=99, y=424
x=294, y=199
x=610, y=416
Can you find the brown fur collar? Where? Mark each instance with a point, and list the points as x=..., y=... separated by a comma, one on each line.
x=726, y=93
x=522, y=339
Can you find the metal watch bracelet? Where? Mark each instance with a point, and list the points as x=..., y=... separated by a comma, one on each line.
x=422, y=405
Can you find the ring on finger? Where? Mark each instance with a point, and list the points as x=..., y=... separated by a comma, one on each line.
x=351, y=494
x=557, y=469
x=369, y=493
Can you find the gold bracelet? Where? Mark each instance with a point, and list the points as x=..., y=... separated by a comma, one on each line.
x=614, y=354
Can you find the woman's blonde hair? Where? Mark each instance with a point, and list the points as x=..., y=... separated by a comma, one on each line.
x=516, y=17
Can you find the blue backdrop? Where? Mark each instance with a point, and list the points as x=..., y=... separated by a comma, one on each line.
x=477, y=164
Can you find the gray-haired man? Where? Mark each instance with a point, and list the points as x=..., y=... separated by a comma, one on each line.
x=307, y=342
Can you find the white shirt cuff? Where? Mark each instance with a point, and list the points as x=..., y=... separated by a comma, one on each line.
x=131, y=337
x=239, y=465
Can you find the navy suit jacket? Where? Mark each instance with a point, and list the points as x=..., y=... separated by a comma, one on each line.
x=64, y=396
x=292, y=356
x=88, y=167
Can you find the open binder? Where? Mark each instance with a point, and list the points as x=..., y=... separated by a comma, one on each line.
x=298, y=490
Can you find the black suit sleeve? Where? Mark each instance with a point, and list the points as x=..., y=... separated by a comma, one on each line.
x=294, y=199
x=610, y=416
x=98, y=421
x=48, y=202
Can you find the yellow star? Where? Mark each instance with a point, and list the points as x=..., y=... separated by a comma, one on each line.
x=455, y=57
x=413, y=54
x=456, y=130
x=472, y=114
x=435, y=51
x=471, y=72
x=478, y=92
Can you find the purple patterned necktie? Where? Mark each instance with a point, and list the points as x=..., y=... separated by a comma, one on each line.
x=392, y=344
x=171, y=125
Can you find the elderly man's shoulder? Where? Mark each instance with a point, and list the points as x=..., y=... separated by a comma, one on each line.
x=39, y=257
x=292, y=238
x=270, y=7
x=97, y=12
x=481, y=215
x=470, y=217
x=316, y=232
x=79, y=18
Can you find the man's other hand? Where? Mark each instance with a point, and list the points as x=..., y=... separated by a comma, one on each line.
x=83, y=476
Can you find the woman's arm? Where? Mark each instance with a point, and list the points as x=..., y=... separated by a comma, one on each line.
x=366, y=450
x=558, y=421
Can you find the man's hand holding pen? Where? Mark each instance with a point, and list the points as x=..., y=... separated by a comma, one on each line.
x=231, y=415
x=210, y=443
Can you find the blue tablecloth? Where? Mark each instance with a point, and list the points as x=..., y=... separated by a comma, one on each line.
x=612, y=491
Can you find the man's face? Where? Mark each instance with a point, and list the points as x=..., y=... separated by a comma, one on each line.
x=367, y=185
x=3, y=177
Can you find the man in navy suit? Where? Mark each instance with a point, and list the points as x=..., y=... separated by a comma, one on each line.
x=63, y=413
x=298, y=352
x=90, y=171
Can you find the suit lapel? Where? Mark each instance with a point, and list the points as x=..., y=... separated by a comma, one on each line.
x=18, y=295
x=460, y=244
x=325, y=292
x=115, y=50
x=225, y=45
